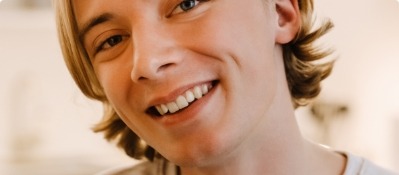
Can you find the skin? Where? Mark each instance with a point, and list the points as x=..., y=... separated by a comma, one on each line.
x=246, y=124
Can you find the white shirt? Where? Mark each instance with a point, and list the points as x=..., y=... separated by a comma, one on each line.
x=354, y=166
x=359, y=166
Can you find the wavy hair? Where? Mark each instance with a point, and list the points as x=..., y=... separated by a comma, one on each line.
x=302, y=73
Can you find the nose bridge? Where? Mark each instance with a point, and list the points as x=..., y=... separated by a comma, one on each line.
x=153, y=51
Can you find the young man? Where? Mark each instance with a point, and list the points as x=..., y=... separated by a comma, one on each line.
x=202, y=86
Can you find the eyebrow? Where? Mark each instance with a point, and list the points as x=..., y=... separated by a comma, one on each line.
x=94, y=22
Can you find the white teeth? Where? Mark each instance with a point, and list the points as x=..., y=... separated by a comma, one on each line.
x=190, y=96
x=164, y=109
x=181, y=102
x=172, y=106
x=197, y=92
x=184, y=100
x=204, y=89
x=159, y=109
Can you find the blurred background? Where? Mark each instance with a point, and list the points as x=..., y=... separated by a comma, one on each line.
x=45, y=121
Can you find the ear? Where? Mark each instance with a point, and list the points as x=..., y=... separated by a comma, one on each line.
x=289, y=20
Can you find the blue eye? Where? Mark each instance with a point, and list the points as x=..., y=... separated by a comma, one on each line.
x=188, y=4
x=185, y=6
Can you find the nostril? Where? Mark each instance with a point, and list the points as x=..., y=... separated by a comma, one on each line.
x=142, y=78
x=163, y=67
x=149, y=73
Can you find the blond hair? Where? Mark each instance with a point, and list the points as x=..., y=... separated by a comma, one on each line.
x=303, y=75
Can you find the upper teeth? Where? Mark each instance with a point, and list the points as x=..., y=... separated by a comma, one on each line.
x=184, y=100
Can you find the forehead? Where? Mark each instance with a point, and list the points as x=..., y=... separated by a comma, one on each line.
x=84, y=10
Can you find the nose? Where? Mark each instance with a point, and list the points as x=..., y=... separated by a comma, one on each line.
x=155, y=53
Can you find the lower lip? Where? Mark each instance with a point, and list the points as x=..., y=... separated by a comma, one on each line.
x=189, y=113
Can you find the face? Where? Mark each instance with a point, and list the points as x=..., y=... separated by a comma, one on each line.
x=191, y=78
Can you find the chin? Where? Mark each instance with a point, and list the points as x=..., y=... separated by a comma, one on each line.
x=204, y=151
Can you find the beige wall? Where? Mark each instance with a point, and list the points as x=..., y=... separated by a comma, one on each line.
x=44, y=119
x=366, y=77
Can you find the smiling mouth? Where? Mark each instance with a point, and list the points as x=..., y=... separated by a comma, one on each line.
x=183, y=101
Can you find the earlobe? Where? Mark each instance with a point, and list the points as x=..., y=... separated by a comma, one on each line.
x=289, y=20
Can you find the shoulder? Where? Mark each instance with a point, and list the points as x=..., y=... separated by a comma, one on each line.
x=143, y=168
x=359, y=166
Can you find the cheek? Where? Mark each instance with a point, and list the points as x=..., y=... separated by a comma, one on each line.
x=244, y=34
x=125, y=97
x=111, y=79
x=114, y=77
x=243, y=39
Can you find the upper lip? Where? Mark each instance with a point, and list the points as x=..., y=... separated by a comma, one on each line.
x=162, y=99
